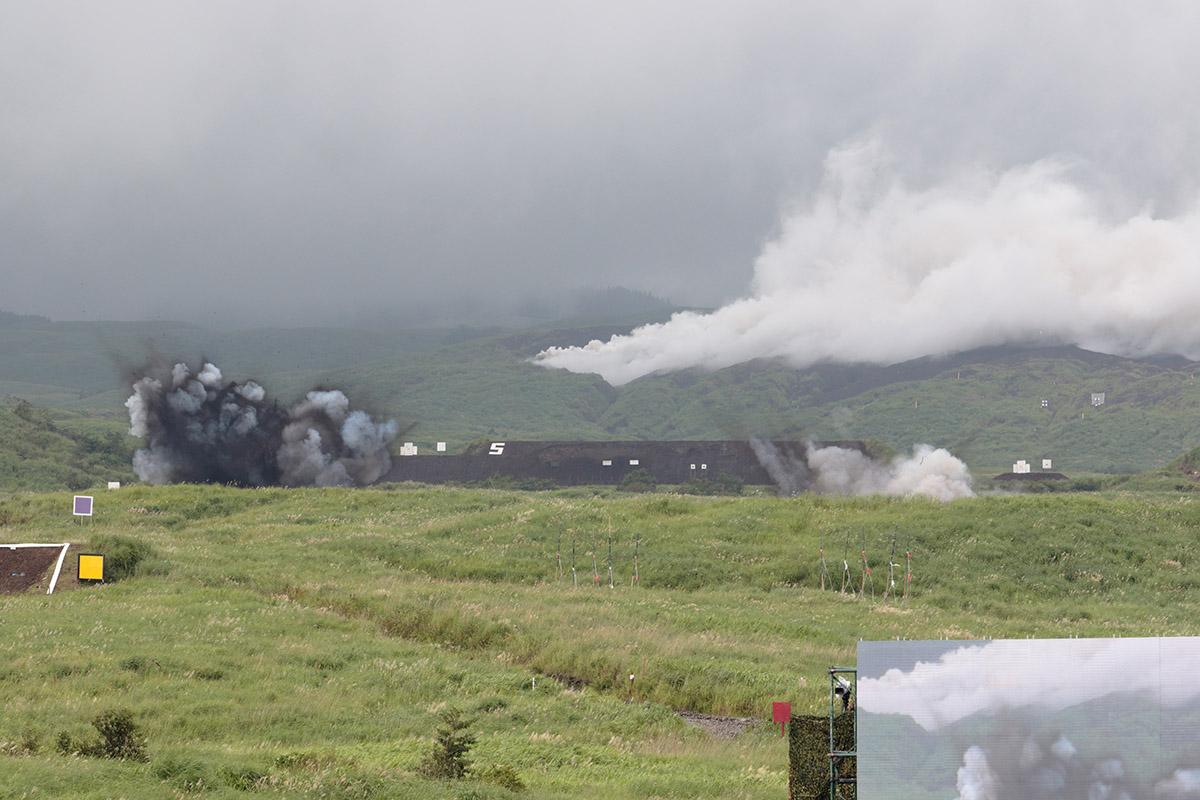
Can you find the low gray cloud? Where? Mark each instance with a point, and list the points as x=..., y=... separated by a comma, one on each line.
x=277, y=161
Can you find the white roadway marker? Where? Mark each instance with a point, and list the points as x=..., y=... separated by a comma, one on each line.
x=58, y=568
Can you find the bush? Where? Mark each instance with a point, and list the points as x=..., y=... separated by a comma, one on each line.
x=244, y=779
x=723, y=484
x=500, y=775
x=638, y=480
x=186, y=774
x=65, y=744
x=28, y=745
x=448, y=758
x=490, y=704
x=120, y=738
x=125, y=557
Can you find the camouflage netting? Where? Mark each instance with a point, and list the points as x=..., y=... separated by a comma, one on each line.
x=808, y=756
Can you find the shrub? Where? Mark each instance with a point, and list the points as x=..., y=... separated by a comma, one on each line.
x=722, y=484
x=490, y=704
x=65, y=744
x=448, y=758
x=28, y=745
x=244, y=779
x=638, y=480
x=133, y=663
x=186, y=774
x=125, y=557
x=120, y=738
x=501, y=775
x=313, y=762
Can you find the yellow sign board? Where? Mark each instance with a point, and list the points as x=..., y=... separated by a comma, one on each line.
x=91, y=567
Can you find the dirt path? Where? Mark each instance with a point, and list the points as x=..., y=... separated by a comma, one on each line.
x=721, y=727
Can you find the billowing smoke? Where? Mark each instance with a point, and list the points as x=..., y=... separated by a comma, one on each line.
x=1058, y=719
x=200, y=428
x=876, y=271
x=1017, y=765
x=1040, y=768
x=1048, y=674
x=788, y=470
x=928, y=472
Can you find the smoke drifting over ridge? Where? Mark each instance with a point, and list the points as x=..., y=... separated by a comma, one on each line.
x=927, y=472
x=875, y=271
x=200, y=428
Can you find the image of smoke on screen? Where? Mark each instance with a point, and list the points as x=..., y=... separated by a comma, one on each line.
x=1037, y=719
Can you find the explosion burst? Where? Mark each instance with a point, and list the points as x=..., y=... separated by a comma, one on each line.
x=200, y=428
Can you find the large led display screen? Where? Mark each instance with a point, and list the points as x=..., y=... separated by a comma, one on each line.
x=1034, y=719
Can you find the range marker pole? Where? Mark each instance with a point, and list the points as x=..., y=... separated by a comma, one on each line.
x=610, y=570
x=637, y=545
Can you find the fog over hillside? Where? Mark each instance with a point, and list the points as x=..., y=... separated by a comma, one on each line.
x=309, y=163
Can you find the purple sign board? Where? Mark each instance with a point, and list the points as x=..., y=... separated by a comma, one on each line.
x=82, y=506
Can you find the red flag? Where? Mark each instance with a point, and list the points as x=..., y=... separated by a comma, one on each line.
x=781, y=713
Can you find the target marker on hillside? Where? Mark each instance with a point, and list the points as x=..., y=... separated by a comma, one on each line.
x=82, y=506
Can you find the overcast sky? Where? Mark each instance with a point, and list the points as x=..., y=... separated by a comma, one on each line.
x=288, y=162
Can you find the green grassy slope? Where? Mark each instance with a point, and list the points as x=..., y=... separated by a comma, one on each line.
x=462, y=385
x=313, y=635
x=44, y=448
x=984, y=406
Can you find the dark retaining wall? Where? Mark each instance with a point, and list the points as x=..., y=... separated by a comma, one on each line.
x=579, y=463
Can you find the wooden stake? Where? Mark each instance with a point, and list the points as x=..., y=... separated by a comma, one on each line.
x=907, y=573
x=825, y=572
x=637, y=545
x=610, y=570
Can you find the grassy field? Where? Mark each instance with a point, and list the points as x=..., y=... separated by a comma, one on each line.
x=308, y=639
x=54, y=448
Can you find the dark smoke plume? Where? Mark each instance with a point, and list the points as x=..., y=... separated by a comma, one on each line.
x=200, y=428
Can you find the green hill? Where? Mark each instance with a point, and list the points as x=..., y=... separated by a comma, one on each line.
x=43, y=448
x=460, y=385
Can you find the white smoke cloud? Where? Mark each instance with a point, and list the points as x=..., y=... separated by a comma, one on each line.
x=1033, y=772
x=252, y=392
x=331, y=402
x=928, y=472
x=210, y=376
x=1050, y=674
x=876, y=271
x=976, y=781
x=1184, y=784
x=145, y=390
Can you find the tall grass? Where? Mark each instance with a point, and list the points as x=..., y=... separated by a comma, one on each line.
x=307, y=640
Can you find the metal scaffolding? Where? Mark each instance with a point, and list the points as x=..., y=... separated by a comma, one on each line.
x=842, y=781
